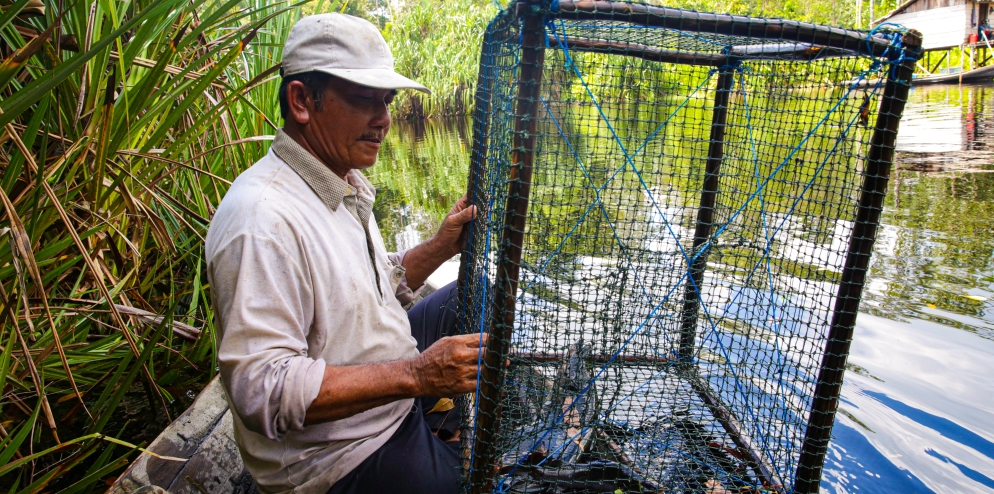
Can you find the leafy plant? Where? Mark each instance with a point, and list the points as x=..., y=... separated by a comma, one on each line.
x=122, y=124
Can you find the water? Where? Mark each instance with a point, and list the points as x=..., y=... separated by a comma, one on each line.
x=916, y=406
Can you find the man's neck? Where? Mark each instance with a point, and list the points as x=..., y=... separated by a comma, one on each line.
x=298, y=136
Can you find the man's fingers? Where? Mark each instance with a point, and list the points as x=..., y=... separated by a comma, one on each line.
x=459, y=205
x=474, y=340
x=464, y=216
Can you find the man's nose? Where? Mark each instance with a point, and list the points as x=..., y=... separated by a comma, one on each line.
x=382, y=117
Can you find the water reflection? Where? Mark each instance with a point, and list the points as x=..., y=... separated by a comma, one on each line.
x=916, y=404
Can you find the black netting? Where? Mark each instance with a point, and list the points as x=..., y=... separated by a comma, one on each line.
x=662, y=318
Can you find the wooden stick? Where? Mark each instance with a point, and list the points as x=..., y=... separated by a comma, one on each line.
x=487, y=457
x=875, y=176
x=733, y=25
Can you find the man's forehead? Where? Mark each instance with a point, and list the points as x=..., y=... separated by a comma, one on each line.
x=345, y=85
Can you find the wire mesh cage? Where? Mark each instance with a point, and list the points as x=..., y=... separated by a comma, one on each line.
x=675, y=215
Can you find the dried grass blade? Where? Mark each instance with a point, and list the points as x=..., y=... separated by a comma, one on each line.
x=183, y=329
x=12, y=65
x=88, y=260
x=227, y=144
x=29, y=363
x=19, y=238
x=180, y=164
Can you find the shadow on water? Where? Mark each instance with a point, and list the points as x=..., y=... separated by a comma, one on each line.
x=915, y=415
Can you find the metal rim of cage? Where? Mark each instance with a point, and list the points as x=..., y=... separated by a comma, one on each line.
x=886, y=45
x=802, y=36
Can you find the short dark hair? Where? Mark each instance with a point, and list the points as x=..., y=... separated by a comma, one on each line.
x=315, y=82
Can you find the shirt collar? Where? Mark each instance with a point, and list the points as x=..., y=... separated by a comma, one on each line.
x=330, y=188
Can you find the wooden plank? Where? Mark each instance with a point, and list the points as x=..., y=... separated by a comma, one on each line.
x=941, y=28
x=183, y=439
x=215, y=467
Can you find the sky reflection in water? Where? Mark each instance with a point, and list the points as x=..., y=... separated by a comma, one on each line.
x=916, y=406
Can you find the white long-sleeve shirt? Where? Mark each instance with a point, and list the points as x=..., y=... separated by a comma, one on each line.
x=298, y=284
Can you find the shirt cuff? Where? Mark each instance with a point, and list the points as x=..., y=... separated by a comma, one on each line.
x=301, y=386
x=405, y=295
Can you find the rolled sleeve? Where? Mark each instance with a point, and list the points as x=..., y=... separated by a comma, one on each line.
x=264, y=303
x=404, y=293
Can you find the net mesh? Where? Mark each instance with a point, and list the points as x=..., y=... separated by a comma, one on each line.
x=689, y=214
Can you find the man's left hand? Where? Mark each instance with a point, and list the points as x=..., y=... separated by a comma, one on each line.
x=450, y=238
x=423, y=260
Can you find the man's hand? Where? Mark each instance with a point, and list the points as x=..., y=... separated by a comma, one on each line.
x=446, y=369
x=449, y=239
x=421, y=261
x=449, y=367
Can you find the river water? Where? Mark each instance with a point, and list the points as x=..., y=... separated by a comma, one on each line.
x=916, y=412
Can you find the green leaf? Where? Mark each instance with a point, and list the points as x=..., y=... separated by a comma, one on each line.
x=5, y=356
x=11, y=12
x=93, y=476
x=13, y=444
x=30, y=94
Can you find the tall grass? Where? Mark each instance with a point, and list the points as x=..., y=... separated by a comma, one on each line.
x=121, y=126
x=438, y=45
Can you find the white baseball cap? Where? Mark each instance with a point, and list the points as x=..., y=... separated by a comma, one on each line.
x=343, y=46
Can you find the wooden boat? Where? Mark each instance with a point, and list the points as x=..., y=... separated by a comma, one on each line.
x=980, y=74
x=204, y=437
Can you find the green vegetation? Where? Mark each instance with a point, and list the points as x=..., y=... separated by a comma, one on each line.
x=438, y=45
x=122, y=125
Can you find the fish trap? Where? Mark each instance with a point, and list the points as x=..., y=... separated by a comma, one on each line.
x=676, y=215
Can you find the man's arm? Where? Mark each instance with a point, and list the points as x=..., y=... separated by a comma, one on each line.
x=447, y=368
x=421, y=261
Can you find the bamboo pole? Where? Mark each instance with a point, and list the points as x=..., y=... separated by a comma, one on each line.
x=486, y=456
x=690, y=21
x=705, y=213
x=871, y=198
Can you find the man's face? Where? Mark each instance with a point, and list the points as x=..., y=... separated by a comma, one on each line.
x=348, y=129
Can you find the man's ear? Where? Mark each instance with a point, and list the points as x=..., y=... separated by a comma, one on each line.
x=301, y=103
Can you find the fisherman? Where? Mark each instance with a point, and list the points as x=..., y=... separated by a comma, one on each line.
x=327, y=375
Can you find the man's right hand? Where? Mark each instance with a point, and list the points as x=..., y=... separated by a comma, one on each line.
x=449, y=367
x=445, y=369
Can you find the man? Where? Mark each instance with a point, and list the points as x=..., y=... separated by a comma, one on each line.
x=322, y=366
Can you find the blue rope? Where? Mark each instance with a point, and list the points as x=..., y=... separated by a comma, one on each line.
x=693, y=283
x=612, y=177
x=713, y=329
x=769, y=241
x=598, y=201
x=628, y=159
x=685, y=276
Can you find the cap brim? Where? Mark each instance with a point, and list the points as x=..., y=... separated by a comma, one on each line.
x=377, y=78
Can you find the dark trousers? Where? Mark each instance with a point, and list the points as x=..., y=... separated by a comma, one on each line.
x=414, y=460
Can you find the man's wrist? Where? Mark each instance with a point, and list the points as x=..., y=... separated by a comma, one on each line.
x=440, y=252
x=413, y=386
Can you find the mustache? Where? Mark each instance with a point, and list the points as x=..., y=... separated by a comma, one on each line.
x=372, y=136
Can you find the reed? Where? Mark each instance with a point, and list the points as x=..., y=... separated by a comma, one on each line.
x=438, y=45
x=121, y=127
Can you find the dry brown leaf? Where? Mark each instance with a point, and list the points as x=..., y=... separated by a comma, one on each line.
x=442, y=405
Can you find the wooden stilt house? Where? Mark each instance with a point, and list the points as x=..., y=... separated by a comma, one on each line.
x=957, y=37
